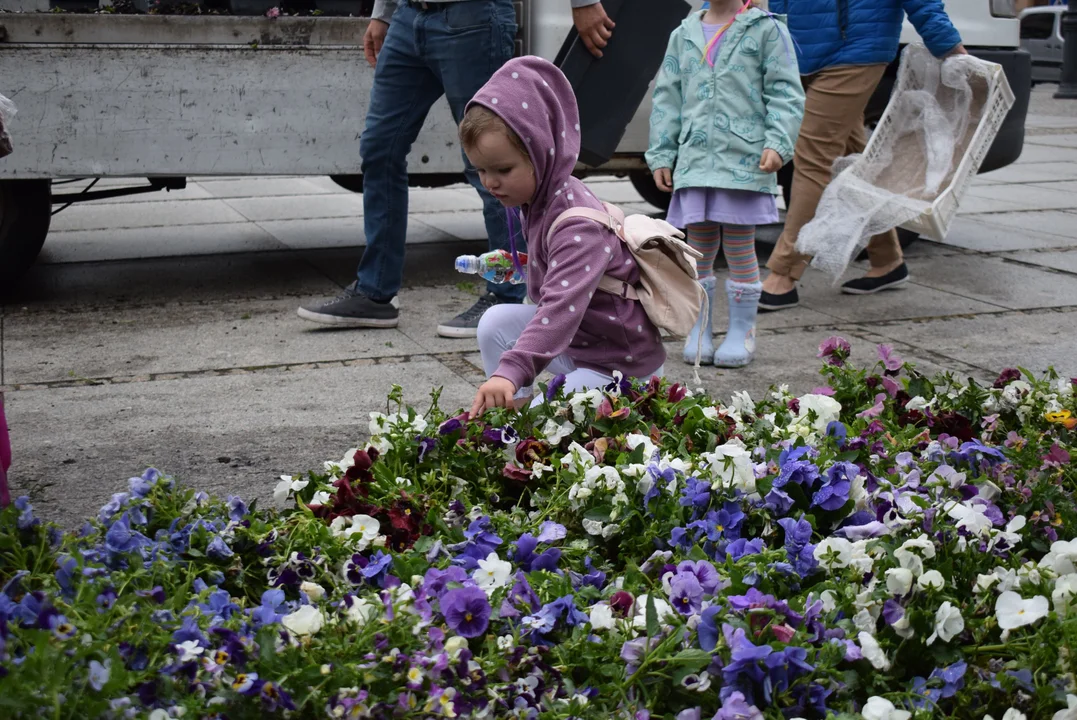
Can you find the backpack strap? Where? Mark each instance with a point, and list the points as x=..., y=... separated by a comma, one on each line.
x=613, y=219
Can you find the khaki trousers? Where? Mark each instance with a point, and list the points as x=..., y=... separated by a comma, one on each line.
x=833, y=126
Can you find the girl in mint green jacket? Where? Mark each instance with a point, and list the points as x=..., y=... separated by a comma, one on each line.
x=727, y=109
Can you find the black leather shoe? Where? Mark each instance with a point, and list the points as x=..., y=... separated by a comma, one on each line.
x=769, y=302
x=870, y=285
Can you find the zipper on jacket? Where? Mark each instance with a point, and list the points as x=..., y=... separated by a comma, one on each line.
x=843, y=16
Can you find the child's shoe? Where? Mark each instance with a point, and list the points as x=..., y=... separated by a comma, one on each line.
x=704, y=344
x=738, y=348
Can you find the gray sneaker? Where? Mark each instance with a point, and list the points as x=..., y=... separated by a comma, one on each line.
x=353, y=309
x=466, y=324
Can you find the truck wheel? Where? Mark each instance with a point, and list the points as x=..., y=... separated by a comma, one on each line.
x=25, y=213
x=643, y=181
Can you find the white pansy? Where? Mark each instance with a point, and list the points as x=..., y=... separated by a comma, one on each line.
x=1064, y=592
x=635, y=440
x=830, y=600
x=662, y=609
x=320, y=498
x=742, y=402
x=932, y=579
x=554, y=432
x=1011, y=534
x=602, y=617
x=826, y=410
x=1014, y=714
x=903, y=627
x=971, y=516
x=605, y=477
x=912, y=553
x=1013, y=611
x=919, y=404
x=359, y=611
x=492, y=573
x=1070, y=713
x=188, y=650
x=287, y=486
x=345, y=463
x=1062, y=557
x=948, y=623
x=864, y=621
x=834, y=552
x=379, y=423
x=899, y=581
x=1007, y=579
x=313, y=590
x=730, y=466
x=577, y=458
x=984, y=582
x=307, y=620
x=506, y=643
x=455, y=645
x=874, y=654
x=580, y=401
x=595, y=527
x=360, y=529
x=877, y=708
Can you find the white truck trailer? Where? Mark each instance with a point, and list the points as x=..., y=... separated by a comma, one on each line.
x=159, y=98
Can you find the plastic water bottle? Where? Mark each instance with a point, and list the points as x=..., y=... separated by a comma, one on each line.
x=495, y=266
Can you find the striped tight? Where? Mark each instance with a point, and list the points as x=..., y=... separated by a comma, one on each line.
x=738, y=242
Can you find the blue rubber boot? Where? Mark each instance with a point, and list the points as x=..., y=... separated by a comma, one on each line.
x=691, y=343
x=738, y=348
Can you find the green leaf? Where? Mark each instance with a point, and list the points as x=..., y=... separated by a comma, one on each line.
x=599, y=514
x=696, y=553
x=652, y=618
x=764, y=485
x=636, y=457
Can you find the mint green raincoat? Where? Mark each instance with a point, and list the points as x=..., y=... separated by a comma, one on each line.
x=711, y=125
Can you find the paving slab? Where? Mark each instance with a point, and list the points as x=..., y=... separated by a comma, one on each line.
x=996, y=281
x=343, y=232
x=1064, y=140
x=464, y=225
x=43, y=347
x=914, y=301
x=159, y=213
x=176, y=240
x=1046, y=154
x=261, y=186
x=298, y=207
x=1065, y=260
x=984, y=233
x=1034, y=341
x=1027, y=197
x=262, y=425
x=1045, y=222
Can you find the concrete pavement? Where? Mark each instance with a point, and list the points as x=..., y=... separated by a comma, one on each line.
x=161, y=330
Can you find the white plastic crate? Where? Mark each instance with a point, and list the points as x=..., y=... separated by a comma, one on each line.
x=934, y=220
x=918, y=163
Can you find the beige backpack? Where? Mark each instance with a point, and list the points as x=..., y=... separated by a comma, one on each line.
x=669, y=286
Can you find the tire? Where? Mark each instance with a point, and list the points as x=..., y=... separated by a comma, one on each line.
x=643, y=181
x=25, y=214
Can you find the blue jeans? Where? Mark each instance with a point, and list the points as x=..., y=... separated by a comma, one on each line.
x=453, y=51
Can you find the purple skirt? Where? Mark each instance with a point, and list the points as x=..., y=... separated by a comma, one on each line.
x=720, y=205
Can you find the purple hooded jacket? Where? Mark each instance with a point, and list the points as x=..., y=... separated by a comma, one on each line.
x=599, y=331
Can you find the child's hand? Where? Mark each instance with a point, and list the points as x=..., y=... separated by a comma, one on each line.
x=495, y=392
x=770, y=162
x=663, y=179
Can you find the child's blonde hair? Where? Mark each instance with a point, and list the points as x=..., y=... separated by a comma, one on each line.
x=479, y=120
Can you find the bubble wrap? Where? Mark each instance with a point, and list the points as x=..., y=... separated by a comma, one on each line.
x=914, y=153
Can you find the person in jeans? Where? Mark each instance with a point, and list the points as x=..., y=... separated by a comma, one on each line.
x=421, y=51
x=843, y=47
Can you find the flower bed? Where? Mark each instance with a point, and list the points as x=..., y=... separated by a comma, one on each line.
x=888, y=545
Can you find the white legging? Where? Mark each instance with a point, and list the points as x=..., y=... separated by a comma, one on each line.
x=500, y=328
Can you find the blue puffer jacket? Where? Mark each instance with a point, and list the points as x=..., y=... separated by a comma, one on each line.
x=861, y=32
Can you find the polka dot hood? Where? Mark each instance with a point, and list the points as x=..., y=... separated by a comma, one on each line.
x=597, y=330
